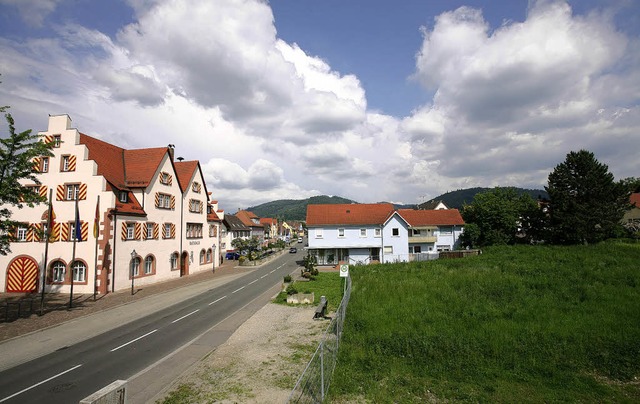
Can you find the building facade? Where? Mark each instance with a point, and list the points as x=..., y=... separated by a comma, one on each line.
x=142, y=218
x=372, y=233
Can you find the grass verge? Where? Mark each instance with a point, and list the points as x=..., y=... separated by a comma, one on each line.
x=328, y=284
x=516, y=324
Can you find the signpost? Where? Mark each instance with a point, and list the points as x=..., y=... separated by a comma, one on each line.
x=344, y=273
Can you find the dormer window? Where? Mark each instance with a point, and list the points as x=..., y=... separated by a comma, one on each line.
x=123, y=196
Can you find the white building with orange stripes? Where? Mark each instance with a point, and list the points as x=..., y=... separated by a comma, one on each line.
x=154, y=219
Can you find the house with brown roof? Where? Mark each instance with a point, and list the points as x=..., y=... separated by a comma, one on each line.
x=250, y=220
x=148, y=212
x=367, y=233
x=631, y=218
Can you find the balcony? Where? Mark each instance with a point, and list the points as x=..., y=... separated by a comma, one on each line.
x=422, y=239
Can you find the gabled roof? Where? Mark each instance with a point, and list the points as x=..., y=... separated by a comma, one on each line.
x=124, y=168
x=440, y=217
x=184, y=171
x=131, y=207
x=247, y=218
x=233, y=223
x=432, y=204
x=348, y=214
x=268, y=221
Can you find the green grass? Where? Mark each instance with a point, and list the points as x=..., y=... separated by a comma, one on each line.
x=516, y=324
x=328, y=284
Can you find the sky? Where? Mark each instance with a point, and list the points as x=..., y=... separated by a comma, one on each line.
x=371, y=100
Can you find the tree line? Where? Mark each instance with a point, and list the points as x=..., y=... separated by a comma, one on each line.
x=585, y=205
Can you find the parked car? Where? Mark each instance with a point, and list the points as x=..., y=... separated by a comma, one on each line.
x=293, y=250
x=232, y=255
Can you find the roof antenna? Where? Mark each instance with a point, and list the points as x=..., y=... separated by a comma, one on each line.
x=179, y=158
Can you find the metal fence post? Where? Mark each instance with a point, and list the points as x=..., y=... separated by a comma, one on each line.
x=322, y=370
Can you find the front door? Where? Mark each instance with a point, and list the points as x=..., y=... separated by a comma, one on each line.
x=184, y=264
x=22, y=275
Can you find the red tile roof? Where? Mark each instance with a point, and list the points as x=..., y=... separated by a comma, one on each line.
x=185, y=170
x=141, y=164
x=348, y=214
x=246, y=217
x=132, y=207
x=109, y=158
x=446, y=217
x=268, y=221
x=635, y=199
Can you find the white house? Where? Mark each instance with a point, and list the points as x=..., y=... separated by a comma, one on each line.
x=366, y=233
x=147, y=210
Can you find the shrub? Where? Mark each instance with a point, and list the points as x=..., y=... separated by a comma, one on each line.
x=291, y=290
x=287, y=278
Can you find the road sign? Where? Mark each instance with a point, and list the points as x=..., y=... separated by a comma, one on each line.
x=344, y=270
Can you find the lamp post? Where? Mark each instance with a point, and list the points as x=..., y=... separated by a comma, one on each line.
x=133, y=264
x=214, y=257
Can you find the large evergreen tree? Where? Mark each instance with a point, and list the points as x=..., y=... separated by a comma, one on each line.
x=17, y=153
x=586, y=204
x=499, y=216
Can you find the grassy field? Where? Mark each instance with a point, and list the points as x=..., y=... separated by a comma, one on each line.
x=516, y=324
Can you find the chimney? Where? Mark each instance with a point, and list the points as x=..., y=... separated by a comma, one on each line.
x=171, y=150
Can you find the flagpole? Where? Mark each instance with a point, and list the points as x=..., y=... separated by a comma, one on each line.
x=73, y=255
x=46, y=250
x=96, y=233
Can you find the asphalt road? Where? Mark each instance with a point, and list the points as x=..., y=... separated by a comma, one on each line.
x=127, y=352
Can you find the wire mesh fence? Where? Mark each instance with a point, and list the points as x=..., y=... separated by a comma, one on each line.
x=313, y=384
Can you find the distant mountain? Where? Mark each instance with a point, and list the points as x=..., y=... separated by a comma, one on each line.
x=292, y=209
x=457, y=199
x=296, y=209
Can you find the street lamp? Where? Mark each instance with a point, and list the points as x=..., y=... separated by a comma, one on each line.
x=133, y=264
x=214, y=257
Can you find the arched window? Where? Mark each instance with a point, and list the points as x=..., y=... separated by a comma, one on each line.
x=135, y=267
x=148, y=265
x=58, y=269
x=79, y=271
x=174, y=261
x=201, y=256
x=209, y=255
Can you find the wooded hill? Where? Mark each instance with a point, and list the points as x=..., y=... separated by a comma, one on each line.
x=296, y=209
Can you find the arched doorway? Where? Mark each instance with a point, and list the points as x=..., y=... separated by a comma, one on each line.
x=22, y=275
x=184, y=264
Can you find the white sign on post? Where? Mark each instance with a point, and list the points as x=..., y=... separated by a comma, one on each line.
x=344, y=270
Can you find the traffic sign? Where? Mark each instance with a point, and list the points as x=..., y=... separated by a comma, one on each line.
x=344, y=270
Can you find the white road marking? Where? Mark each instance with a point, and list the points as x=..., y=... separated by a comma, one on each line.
x=134, y=340
x=254, y=281
x=186, y=315
x=38, y=384
x=264, y=276
x=237, y=290
x=272, y=271
x=216, y=301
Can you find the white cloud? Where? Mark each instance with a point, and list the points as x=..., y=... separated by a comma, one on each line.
x=33, y=12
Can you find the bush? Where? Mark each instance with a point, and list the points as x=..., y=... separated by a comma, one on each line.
x=287, y=278
x=291, y=290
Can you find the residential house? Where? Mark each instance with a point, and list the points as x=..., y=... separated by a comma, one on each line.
x=235, y=229
x=270, y=228
x=435, y=204
x=631, y=218
x=252, y=221
x=136, y=199
x=366, y=233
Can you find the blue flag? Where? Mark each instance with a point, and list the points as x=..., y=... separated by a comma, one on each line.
x=77, y=227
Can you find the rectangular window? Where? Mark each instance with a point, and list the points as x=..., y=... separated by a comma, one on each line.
x=72, y=231
x=148, y=265
x=194, y=206
x=417, y=249
x=21, y=234
x=72, y=191
x=446, y=230
x=131, y=227
x=416, y=232
x=340, y=232
x=122, y=196
x=196, y=187
x=318, y=233
x=194, y=230
x=167, y=230
x=58, y=271
x=56, y=140
x=45, y=165
x=363, y=232
x=150, y=230
x=165, y=178
x=65, y=163
x=388, y=249
x=79, y=272
x=395, y=231
x=164, y=201
x=377, y=232
x=174, y=261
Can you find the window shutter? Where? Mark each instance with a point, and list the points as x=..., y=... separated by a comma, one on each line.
x=173, y=230
x=36, y=164
x=30, y=233
x=82, y=192
x=43, y=191
x=124, y=232
x=173, y=202
x=169, y=179
x=60, y=193
x=84, y=230
x=55, y=232
x=201, y=207
x=164, y=231
x=72, y=163
x=37, y=230
x=64, y=231
x=138, y=231
x=156, y=230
